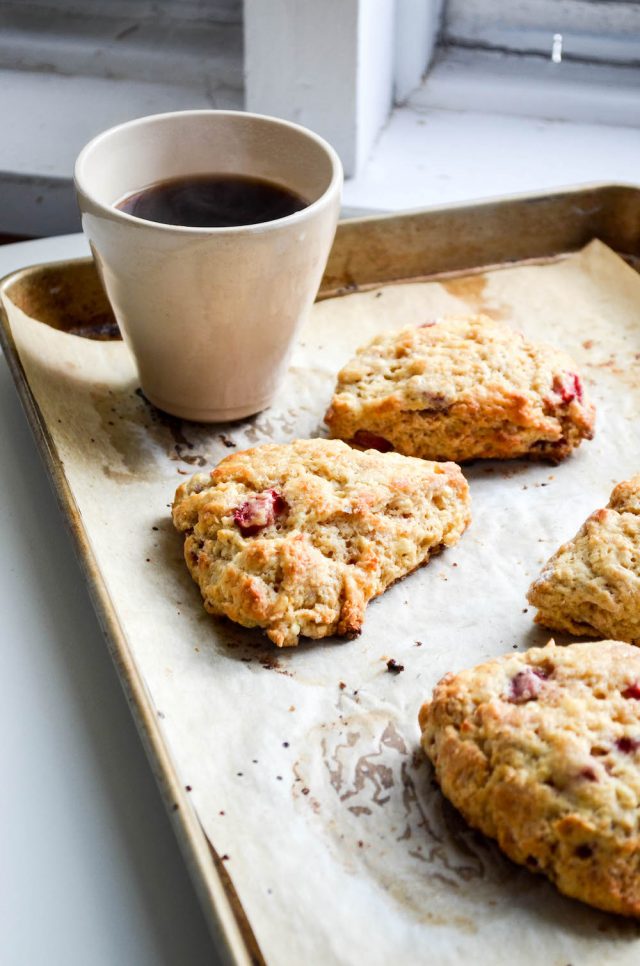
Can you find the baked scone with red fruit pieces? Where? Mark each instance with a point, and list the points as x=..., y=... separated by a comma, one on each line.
x=591, y=585
x=297, y=538
x=461, y=388
x=541, y=751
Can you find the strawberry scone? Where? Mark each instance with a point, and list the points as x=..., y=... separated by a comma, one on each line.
x=461, y=388
x=297, y=538
x=541, y=751
x=591, y=585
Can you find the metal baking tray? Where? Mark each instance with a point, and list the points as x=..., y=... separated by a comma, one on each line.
x=368, y=252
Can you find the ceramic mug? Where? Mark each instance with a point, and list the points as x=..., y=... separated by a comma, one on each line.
x=210, y=314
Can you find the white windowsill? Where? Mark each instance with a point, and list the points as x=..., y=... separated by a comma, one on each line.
x=430, y=152
x=484, y=124
x=430, y=157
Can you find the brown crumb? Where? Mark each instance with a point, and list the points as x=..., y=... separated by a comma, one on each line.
x=188, y=788
x=292, y=708
x=226, y=441
x=220, y=813
x=393, y=667
x=342, y=685
x=587, y=344
x=155, y=528
x=225, y=857
x=305, y=791
x=418, y=644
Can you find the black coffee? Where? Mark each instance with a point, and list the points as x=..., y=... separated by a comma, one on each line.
x=212, y=201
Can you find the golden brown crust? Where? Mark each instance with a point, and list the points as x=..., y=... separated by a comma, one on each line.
x=591, y=585
x=297, y=538
x=541, y=751
x=461, y=388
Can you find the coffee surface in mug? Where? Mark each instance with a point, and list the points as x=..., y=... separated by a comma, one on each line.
x=212, y=201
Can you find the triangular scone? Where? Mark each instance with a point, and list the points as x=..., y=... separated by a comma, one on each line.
x=297, y=538
x=461, y=388
x=591, y=585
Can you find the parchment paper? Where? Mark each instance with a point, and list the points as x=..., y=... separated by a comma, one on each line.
x=304, y=764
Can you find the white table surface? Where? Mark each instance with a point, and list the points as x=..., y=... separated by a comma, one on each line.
x=91, y=871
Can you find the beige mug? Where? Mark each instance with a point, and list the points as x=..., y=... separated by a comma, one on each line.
x=210, y=314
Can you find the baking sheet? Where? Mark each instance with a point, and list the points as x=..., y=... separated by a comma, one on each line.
x=303, y=765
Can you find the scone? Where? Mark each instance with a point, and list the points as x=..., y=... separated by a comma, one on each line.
x=591, y=585
x=541, y=751
x=461, y=388
x=297, y=538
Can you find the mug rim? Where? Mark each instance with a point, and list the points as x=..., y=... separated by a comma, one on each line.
x=117, y=214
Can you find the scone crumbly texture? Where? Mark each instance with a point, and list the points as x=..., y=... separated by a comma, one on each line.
x=297, y=538
x=461, y=388
x=591, y=585
x=541, y=751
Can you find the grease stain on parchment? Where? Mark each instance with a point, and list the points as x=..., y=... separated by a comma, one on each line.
x=472, y=290
x=122, y=417
x=144, y=437
x=374, y=794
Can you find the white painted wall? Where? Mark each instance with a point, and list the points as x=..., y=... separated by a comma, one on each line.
x=599, y=30
x=327, y=64
x=416, y=32
x=375, y=60
x=299, y=63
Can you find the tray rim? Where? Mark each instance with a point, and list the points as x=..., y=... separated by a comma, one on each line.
x=227, y=921
x=229, y=925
